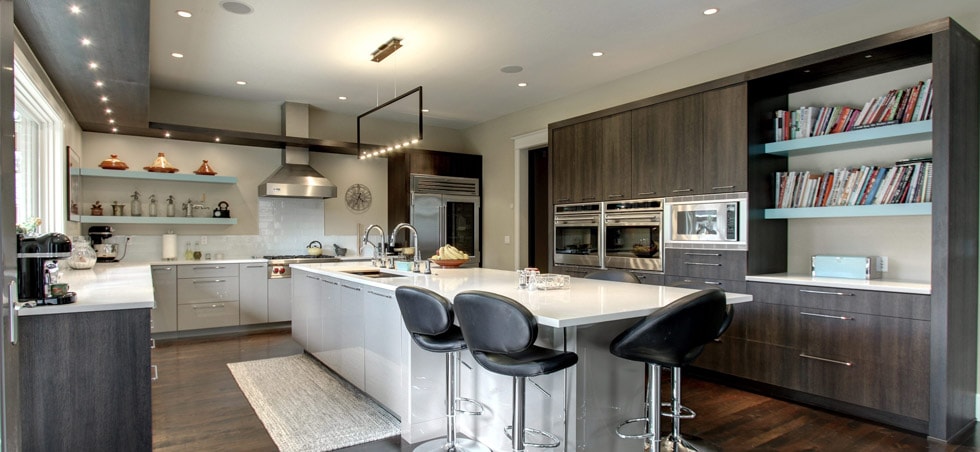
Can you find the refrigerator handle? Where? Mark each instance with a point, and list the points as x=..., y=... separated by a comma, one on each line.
x=12, y=296
x=443, y=233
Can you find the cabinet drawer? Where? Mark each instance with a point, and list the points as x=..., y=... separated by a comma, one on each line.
x=723, y=284
x=203, y=290
x=207, y=270
x=766, y=363
x=890, y=304
x=890, y=387
x=863, y=338
x=708, y=264
x=207, y=315
x=766, y=323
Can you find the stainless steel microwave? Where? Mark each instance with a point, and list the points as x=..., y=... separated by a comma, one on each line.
x=712, y=220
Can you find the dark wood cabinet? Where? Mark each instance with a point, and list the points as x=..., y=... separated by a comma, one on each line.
x=648, y=165
x=577, y=171
x=677, y=137
x=617, y=157
x=86, y=381
x=705, y=264
x=725, y=155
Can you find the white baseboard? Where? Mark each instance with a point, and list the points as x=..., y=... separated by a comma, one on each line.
x=978, y=406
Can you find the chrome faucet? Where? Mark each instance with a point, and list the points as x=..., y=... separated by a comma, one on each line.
x=415, y=242
x=375, y=260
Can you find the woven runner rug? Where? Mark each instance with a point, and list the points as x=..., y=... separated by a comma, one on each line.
x=306, y=408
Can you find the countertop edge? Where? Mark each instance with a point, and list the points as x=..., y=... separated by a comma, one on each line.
x=874, y=285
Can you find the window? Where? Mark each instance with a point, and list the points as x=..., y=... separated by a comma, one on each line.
x=39, y=162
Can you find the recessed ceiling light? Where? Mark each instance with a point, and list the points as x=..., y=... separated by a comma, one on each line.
x=177, y=55
x=236, y=7
x=342, y=98
x=104, y=99
x=99, y=83
x=241, y=83
x=425, y=110
x=597, y=54
x=93, y=65
x=511, y=69
x=710, y=11
x=183, y=13
x=522, y=84
x=86, y=42
x=75, y=9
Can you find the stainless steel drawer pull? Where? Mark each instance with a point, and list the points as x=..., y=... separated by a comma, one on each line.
x=825, y=316
x=214, y=306
x=590, y=198
x=703, y=254
x=823, y=292
x=826, y=360
x=713, y=283
x=723, y=187
x=153, y=343
x=330, y=282
x=703, y=263
x=255, y=266
x=216, y=267
x=156, y=372
x=644, y=193
x=614, y=196
x=682, y=190
x=312, y=277
x=379, y=294
x=162, y=269
x=351, y=288
x=210, y=281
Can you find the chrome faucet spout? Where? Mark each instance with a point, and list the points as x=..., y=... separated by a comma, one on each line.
x=415, y=242
x=366, y=239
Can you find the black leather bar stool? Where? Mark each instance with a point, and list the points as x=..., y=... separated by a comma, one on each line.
x=429, y=319
x=500, y=334
x=613, y=274
x=672, y=336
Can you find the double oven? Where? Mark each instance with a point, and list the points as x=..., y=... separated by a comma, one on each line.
x=623, y=235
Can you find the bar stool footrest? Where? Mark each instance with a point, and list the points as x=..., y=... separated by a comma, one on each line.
x=480, y=408
x=509, y=431
x=686, y=413
x=640, y=436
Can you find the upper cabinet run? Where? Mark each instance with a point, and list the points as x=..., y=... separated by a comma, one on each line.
x=576, y=166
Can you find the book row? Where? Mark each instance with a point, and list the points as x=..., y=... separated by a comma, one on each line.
x=909, y=181
x=898, y=106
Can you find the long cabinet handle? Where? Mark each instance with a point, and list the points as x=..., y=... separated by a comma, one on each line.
x=12, y=297
x=723, y=187
x=210, y=281
x=710, y=264
x=214, y=306
x=644, y=193
x=379, y=294
x=215, y=267
x=825, y=316
x=703, y=254
x=330, y=282
x=827, y=360
x=824, y=292
x=254, y=266
x=614, y=196
x=162, y=269
x=156, y=372
x=313, y=277
x=682, y=190
x=350, y=287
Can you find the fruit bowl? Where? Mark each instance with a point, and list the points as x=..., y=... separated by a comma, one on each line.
x=449, y=263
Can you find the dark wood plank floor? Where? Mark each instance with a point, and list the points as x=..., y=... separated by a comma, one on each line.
x=197, y=406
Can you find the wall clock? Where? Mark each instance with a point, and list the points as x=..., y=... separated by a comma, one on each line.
x=358, y=197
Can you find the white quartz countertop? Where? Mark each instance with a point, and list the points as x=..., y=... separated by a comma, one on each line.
x=105, y=287
x=242, y=260
x=584, y=302
x=878, y=285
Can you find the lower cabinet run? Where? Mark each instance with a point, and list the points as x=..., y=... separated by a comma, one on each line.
x=85, y=381
x=202, y=295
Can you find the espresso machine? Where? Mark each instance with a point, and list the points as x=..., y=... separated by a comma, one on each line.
x=38, y=275
x=104, y=251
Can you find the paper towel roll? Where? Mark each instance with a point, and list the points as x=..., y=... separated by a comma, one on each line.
x=169, y=246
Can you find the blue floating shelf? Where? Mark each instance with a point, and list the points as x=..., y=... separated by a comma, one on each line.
x=879, y=210
x=146, y=175
x=897, y=133
x=157, y=220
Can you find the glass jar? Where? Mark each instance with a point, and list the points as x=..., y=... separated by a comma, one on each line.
x=82, y=254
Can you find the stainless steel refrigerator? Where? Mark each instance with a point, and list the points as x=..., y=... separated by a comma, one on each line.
x=9, y=361
x=446, y=210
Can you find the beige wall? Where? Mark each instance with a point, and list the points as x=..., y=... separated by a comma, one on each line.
x=863, y=20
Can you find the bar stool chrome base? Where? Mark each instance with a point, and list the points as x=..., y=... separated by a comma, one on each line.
x=555, y=441
x=462, y=445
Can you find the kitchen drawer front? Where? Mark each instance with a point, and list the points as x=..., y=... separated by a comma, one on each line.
x=861, y=338
x=205, y=290
x=724, y=284
x=708, y=264
x=766, y=323
x=892, y=304
x=207, y=270
x=207, y=315
x=767, y=363
x=656, y=279
x=890, y=387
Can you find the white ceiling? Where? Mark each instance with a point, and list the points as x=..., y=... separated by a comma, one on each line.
x=313, y=51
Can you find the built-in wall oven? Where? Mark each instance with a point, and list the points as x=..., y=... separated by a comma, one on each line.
x=578, y=234
x=633, y=234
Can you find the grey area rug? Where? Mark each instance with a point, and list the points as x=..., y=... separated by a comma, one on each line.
x=305, y=407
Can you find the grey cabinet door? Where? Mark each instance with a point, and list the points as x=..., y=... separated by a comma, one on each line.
x=616, y=158
x=561, y=150
x=677, y=135
x=725, y=153
x=253, y=292
x=163, y=316
x=647, y=173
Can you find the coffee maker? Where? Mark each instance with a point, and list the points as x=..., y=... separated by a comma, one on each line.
x=38, y=277
x=104, y=251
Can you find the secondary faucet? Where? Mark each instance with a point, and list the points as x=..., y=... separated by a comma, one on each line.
x=375, y=261
x=415, y=242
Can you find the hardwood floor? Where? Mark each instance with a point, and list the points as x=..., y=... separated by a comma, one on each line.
x=197, y=406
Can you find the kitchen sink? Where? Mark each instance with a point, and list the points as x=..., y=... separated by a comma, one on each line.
x=373, y=274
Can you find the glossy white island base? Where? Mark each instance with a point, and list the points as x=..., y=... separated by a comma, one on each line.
x=352, y=324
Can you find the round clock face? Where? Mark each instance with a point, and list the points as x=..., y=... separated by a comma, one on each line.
x=358, y=197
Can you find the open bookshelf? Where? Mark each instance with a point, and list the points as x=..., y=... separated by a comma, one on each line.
x=896, y=133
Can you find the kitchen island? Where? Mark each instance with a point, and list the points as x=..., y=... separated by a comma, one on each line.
x=351, y=322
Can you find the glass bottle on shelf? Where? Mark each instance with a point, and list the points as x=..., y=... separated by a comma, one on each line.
x=171, y=207
x=197, y=251
x=137, y=207
x=188, y=252
x=153, y=206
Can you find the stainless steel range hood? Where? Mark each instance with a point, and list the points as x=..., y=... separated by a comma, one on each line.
x=296, y=178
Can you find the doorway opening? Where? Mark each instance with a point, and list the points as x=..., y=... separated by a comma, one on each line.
x=538, y=248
